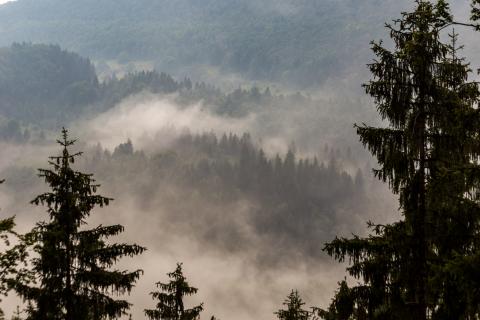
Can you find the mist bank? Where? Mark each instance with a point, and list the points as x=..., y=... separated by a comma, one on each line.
x=236, y=217
x=193, y=186
x=243, y=186
x=63, y=90
x=239, y=209
x=305, y=124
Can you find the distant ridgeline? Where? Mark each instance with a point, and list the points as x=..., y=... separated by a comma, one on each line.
x=297, y=42
x=47, y=86
x=210, y=183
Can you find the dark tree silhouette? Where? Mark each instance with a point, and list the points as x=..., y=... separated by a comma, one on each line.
x=12, y=257
x=170, y=299
x=422, y=265
x=294, y=308
x=74, y=265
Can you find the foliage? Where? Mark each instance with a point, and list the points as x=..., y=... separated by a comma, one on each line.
x=343, y=306
x=292, y=41
x=73, y=266
x=11, y=257
x=297, y=201
x=428, y=155
x=294, y=308
x=47, y=86
x=475, y=12
x=170, y=304
x=236, y=103
x=43, y=81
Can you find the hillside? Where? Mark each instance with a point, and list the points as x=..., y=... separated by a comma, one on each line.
x=41, y=82
x=295, y=42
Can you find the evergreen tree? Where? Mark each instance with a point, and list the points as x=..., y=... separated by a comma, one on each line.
x=345, y=305
x=74, y=265
x=11, y=257
x=294, y=308
x=6, y=226
x=170, y=299
x=7, y=261
x=422, y=266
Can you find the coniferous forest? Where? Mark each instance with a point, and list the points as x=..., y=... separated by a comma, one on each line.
x=266, y=184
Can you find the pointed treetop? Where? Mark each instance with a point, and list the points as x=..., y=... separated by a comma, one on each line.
x=170, y=303
x=294, y=311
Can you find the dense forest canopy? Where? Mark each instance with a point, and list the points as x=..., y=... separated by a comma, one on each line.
x=295, y=42
x=290, y=199
x=287, y=198
x=45, y=85
x=42, y=81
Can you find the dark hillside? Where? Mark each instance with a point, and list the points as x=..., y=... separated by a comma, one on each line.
x=44, y=81
x=296, y=42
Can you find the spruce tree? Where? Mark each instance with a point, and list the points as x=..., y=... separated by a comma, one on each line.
x=74, y=265
x=294, y=308
x=343, y=306
x=8, y=259
x=170, y=304
x=424, y=265
x=12, y=257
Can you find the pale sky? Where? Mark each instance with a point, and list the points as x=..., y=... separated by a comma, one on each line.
x=3, y=1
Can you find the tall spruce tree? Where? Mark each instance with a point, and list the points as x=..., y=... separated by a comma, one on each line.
x=294, y=308
x=426, y=265
x=170, y=304
x=74, y=264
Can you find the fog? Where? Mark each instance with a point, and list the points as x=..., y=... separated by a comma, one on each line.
x=240, y=272
x=153, y=121
x=149, y=120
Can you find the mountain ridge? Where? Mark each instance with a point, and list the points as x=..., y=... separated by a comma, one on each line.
x=288, y=41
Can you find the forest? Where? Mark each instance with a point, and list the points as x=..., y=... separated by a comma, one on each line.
x=46, y=85
x=139, y=195
x=291, y=41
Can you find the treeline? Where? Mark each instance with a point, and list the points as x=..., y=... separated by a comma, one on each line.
x=296, y=200
x=48, y=86
x=63, y=268
x=236, y=103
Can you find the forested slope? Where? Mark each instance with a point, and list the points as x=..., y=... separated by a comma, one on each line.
x=296, y=42
x=227, y=192
x=41, y=82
